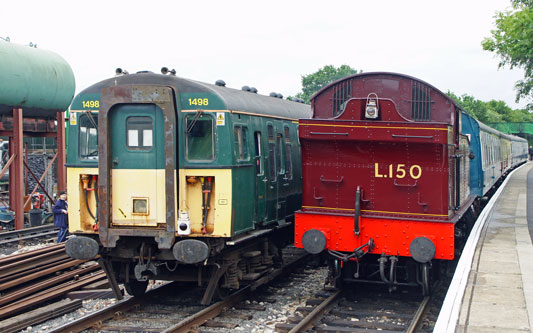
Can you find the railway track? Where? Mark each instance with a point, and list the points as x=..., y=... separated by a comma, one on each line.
x=329, y=312
x=15, y=236
x=172, y=308
x=32, y=279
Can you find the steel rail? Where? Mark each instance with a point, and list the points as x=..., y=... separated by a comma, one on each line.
x=31, y=230
x=214, y=310
x=97, y=318
x=30, y=254
x=208, y=313
x=418, y=315
x=37, y=261
x=309, y=321
x=46, y=295
x=30, y=236
x=42, y=285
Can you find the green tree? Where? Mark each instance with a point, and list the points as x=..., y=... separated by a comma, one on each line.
x=311, y=83
x=492, y=111
x=512, y=41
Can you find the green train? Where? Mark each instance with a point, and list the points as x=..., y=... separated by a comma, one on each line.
x=180, y=180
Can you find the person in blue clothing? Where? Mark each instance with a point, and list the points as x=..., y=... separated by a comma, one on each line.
x=60, y=211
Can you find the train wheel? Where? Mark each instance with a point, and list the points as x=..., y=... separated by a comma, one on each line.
x=425, y=279
x=136, y=288
x=222, y=293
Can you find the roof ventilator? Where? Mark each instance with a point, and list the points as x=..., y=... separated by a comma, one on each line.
x=165, y=71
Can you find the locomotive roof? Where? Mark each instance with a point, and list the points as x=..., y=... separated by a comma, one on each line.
x=369, y=74
x=234, y=99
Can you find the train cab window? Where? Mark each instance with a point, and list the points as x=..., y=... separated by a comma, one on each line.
x=199, y=138
x=240, y=135
x=88, y=136
x=259, y=167
x=139, y=133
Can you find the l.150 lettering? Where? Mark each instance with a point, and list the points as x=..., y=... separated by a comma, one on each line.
x=398, y=171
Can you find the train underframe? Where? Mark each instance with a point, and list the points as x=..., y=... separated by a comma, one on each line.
x=362, y=267
x=231, y=264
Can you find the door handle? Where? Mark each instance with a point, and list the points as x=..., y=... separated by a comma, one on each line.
x=115, y=161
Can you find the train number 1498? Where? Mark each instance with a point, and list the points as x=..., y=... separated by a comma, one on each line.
x=398, y=171
x=199, y=101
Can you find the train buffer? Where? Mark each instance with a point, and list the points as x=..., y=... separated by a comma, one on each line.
x=492, y=289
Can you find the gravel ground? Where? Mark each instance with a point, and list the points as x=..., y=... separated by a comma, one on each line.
x=280, y=298
x=13, y=249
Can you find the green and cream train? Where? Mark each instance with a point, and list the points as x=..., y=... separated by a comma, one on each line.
x=175, y=179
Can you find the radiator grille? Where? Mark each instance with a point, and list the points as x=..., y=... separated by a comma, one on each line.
x=421, y=102
x=341, y=93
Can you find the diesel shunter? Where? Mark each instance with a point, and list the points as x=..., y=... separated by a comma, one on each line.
x=394, y=173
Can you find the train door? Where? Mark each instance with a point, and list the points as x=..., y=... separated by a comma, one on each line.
x=271, y=175
x=261, y=180
x=137, y=165
x=282, y=180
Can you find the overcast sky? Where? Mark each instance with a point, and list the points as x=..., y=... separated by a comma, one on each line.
x=270, y=44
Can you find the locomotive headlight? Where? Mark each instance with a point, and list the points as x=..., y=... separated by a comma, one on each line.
x=372, y=109
x=184, y=224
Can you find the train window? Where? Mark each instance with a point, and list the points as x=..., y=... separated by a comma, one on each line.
x=287, y=133
x=259, y=168
x=139, y=133
x=280, y=166
x=199, y=139
x=241, y=143
x=88, y=137
x=271, y=154
x=288, y=160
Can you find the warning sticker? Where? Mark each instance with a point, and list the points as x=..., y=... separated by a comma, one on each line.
x=221, y=119
x=73, y=118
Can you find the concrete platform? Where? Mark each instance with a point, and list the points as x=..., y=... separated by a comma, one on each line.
x=499, y=292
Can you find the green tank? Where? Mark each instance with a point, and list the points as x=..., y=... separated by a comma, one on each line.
x=39, y=81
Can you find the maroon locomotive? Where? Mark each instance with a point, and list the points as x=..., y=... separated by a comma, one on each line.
x=386, y=179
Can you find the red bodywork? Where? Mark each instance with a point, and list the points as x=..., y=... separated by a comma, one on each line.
x=412, y=173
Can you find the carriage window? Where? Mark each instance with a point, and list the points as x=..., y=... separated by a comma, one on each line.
x=271, y=154
x=241, y=143
x=280, y=167
x=88, y=137
x=287, y=134
x=258, y=154
x=199, y=138
x=139, y=133
x=288, y=160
